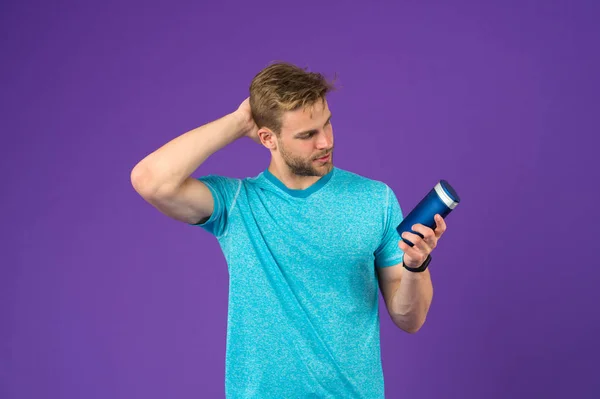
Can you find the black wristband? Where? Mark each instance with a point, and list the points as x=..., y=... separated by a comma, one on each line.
x=420, y=268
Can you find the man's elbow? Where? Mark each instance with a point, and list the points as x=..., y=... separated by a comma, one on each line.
x=411, y=330
x=412, y=326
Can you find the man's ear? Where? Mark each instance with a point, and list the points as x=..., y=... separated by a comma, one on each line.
x=268, y=138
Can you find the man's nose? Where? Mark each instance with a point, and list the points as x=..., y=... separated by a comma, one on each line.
x=324, y=140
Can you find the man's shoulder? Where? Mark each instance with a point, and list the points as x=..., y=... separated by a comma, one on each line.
x=359, y=181
x=226, y=179
x=227, y=186
x=219, y=179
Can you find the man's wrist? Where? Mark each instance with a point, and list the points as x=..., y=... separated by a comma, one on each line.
x=243, y=123
x=421, y=268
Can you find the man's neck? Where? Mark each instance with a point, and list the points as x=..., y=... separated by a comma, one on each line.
x=290, y=180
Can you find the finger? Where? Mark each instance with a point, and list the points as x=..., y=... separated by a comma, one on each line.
x=410, y=238
x=408, y=250
x=422, y=246
x=411, y=252
x=418, y=242
x=440, y=225
x=427, y=234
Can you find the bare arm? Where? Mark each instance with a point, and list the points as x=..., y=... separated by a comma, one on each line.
x=163, y=177
x=407, y=295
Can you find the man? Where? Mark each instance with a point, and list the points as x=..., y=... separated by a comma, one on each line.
x=306, y=244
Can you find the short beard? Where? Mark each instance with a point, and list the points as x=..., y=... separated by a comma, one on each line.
x=301, y=167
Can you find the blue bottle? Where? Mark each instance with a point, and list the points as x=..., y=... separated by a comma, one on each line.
x=442, y=199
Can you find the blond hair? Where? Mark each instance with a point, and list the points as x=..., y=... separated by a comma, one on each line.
x=282, y=87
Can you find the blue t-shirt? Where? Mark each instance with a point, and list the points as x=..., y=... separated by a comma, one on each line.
x=303, y=317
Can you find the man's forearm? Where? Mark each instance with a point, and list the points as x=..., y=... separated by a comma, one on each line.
x=166, y=168
x=411, y=301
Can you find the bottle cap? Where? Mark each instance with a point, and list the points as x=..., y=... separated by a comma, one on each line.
x=447, y=194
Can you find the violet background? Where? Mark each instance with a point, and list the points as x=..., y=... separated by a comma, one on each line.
x=101, y=296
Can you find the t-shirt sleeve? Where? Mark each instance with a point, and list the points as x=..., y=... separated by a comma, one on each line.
x=389, y=253
x=225, y=191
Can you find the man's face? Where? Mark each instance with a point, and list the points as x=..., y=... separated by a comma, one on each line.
x=307, y=135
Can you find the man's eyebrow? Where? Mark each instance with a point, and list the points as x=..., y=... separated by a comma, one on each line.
x=312, y=131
